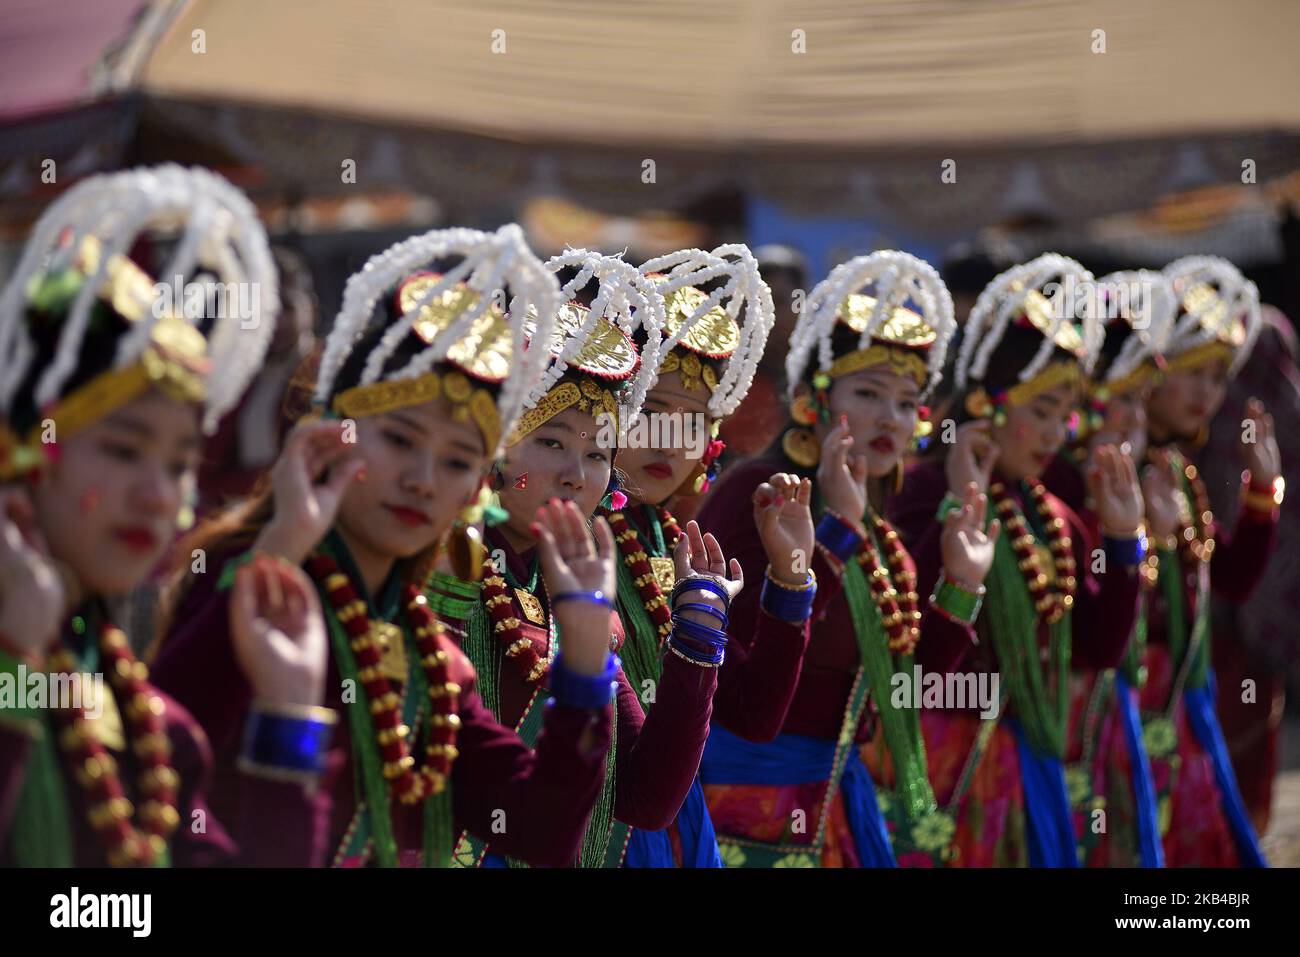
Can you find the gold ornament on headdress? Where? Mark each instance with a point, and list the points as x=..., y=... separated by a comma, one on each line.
x=1144, y=373
x=903, y=331
x=587, y=395
x=695, y=372
x=1205, y=303
x=485, y=351
x=715, y=334
x=607, y=355
x=467, y=400
x=606, y=352
x=174, y=360
x=980, y=405
x=1041, y=315
x=1211, y=311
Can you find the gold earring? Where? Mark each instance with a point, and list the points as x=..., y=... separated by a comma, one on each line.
x=898, y=477
x=802, y=410
x=978, y=404
x=801, y=447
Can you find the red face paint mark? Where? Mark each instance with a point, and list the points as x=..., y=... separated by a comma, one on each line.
x=522, y=481
x=89, y=501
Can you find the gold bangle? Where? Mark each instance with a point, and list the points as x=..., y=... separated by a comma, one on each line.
x=301, y=712
x=1261, y=501
x=809, y=585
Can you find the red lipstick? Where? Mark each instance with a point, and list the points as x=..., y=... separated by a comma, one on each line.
x=137, y=538
x=413, y=518
x=658, y=470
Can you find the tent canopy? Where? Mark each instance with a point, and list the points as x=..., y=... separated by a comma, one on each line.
x=726, y=74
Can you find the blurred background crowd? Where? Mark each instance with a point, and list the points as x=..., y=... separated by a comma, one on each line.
x=973, y=134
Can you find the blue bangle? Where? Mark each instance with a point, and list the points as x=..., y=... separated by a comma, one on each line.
x=703, y=609
x=834, y=534
x=595, y=596
x=285, y=740
x=686, y=650
x=785, y=605
x=1127, y=551
x=589, y=692
x=698, y=631
x=700, y=584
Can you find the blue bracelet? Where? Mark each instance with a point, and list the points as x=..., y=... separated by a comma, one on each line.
x=837, y=537
x=686, y=650
x=1127, y=551
x=595, y=596
x=703, y=609
x=698, y=631
x=785, y=605
x=589, y=692
x=287, y=741
x=700, y=584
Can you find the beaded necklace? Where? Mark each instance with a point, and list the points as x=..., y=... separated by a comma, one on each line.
x=892, y=589
x=141, y=842
x=506, y=626
x=410, y=785
x=1018, y=601
x=1195, y=531
x=645, y=612
x=886, y=640
x=1051, y=600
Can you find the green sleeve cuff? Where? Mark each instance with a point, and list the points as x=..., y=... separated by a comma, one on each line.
x=227, y=579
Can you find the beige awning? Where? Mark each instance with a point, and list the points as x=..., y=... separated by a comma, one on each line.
x=724, y=74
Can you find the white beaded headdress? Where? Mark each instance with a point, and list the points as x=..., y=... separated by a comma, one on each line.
x=741, y=287
x=892, y=279
x=1215, y=302
x=1148, y=305
x=219, y=232
x=625, y=298
x=1020, y=292
x=490, y=263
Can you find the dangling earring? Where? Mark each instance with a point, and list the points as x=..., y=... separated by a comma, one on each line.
x=185, y=518
x=465, y=548
x=801, y=447
x=898, y=477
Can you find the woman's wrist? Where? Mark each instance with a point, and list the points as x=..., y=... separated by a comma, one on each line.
x=576, y=622
x=276, y=539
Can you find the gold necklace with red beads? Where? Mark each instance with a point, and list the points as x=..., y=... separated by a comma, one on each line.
x=125, y=843
x=390, y=733
x=507, y=626
x=637, y=561
x=1195, y=541
x=1052, y=600
x=893, y=590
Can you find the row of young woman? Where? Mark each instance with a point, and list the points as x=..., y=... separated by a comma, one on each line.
x=607, y=688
